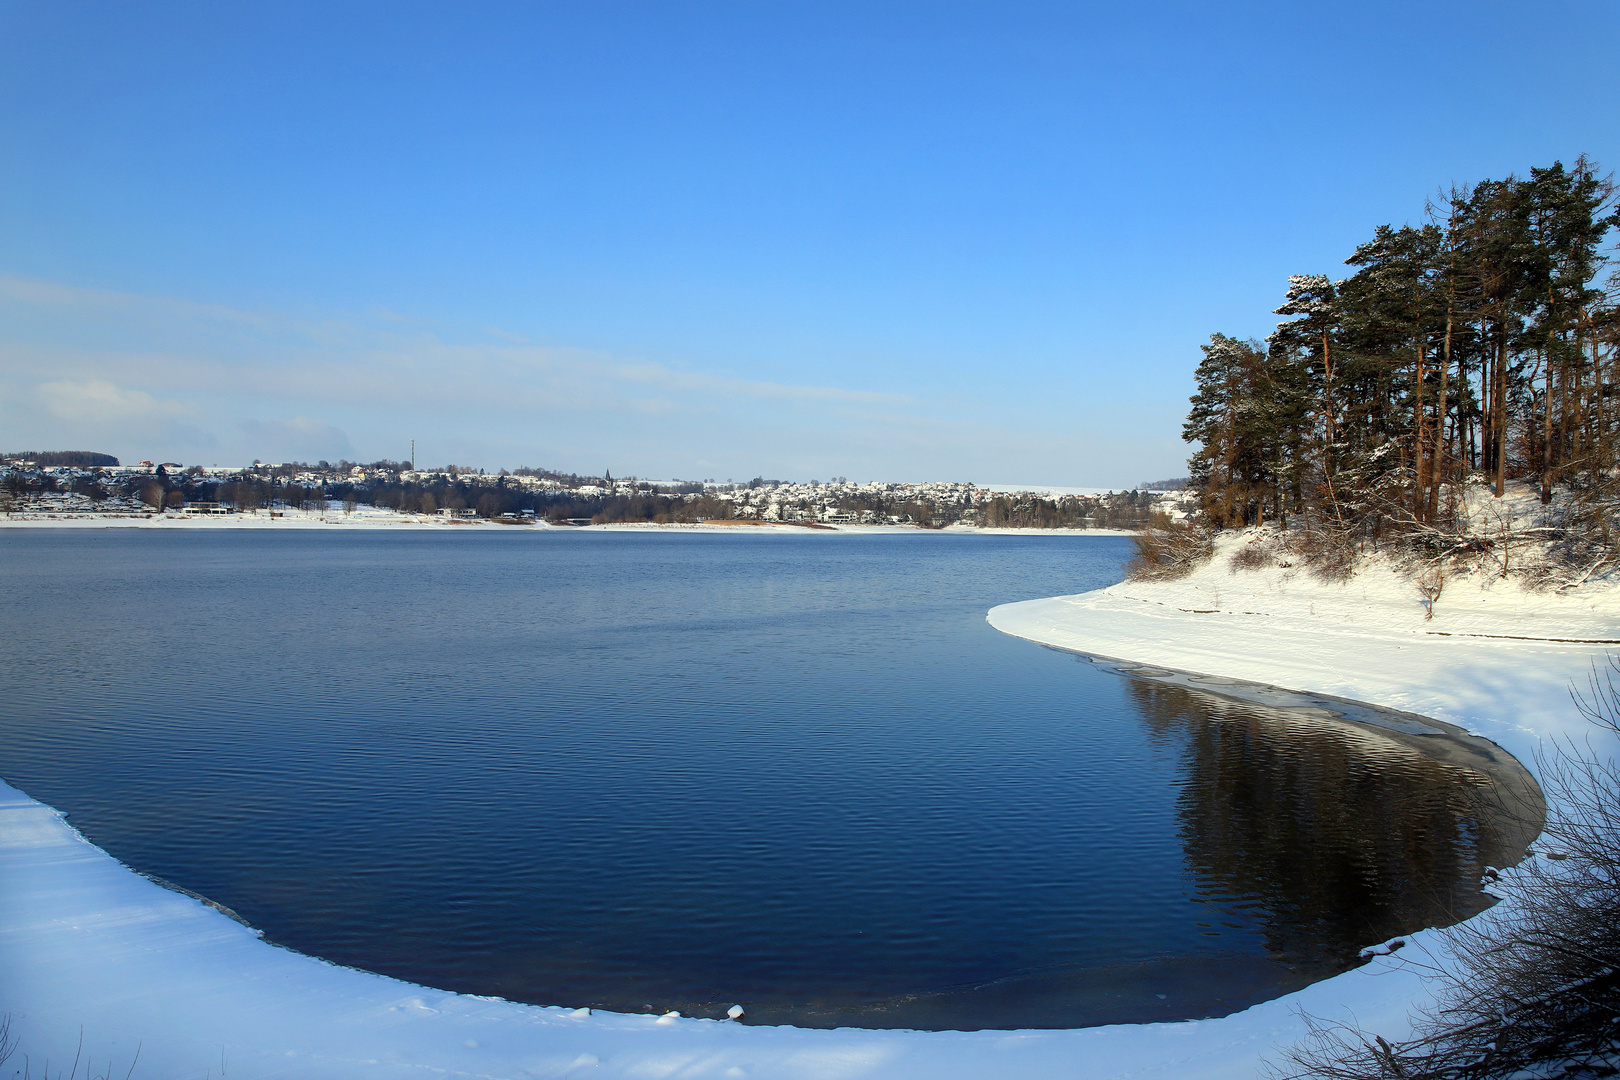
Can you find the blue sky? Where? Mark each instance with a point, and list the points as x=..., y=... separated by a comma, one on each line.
x=886, y=241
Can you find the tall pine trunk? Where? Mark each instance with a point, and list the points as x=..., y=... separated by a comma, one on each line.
x=1547, y=436
x=1420, y=440
x=1438, y=467
x=1501, y=411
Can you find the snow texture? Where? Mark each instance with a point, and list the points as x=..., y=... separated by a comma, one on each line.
x=88, y=945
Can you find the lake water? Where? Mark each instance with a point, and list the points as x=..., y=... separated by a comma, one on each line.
x=674, y=771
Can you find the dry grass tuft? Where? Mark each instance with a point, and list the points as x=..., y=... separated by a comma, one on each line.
x=1167, y=550
x=1330, y=553
x=1257, y=554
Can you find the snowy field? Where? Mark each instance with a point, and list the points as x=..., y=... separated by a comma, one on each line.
x=88, y=945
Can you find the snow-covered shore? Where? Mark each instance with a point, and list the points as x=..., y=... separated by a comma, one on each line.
x=86, y=942
x=1496, y=658
x=369, y=518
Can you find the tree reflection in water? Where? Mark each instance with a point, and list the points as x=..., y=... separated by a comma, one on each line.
x=1322, y=835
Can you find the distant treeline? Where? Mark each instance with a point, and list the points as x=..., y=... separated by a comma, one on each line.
x=1122, y=510
x=64, y=459
x=502, y=499
x=94, y=488
x=166, y=489
x=501, y=496
x=277, y=488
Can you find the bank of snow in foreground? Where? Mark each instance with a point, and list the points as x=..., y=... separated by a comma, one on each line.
x=86, y=942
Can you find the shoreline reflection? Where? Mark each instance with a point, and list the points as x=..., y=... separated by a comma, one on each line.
x=1322, y=835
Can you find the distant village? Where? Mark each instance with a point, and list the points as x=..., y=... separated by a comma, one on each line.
x=78, y=484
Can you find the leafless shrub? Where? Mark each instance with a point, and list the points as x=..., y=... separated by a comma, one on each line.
x=8, y=1041
x=1329, y=552
x=1167, y=550
x=1539, y=574
x=1257, y=554
x=8, y=1050
x=1431, y=582
x=1532, y=988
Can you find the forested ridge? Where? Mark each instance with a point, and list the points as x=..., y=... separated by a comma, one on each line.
x=85, y=459
x=1478, y=347
x=528, y=494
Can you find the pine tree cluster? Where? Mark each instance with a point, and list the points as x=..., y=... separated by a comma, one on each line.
x=1476, y=347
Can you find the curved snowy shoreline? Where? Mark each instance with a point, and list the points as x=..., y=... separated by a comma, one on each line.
x=1491, y=658
x=84, y=941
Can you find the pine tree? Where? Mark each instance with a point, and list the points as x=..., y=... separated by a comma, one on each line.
x=1234, y=421
x=1477, y=340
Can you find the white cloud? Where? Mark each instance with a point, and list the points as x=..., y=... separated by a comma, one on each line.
x=150, y=376
x=98, y=414
x=101, y=402
x=298, y=439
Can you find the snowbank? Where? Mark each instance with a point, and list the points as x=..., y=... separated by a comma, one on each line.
x=369, y=518
x=85, y=942
x=1496, y=658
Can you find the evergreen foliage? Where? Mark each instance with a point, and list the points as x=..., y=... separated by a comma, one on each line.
x=52, y=459
x=1477, y=345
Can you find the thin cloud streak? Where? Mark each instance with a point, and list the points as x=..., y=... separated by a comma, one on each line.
x=392, y=349
x=174, y=376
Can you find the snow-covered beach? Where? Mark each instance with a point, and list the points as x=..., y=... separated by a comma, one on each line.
x=371, y=518
x=86, y=944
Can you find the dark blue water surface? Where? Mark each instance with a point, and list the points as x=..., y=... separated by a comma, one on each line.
x=655, y=771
